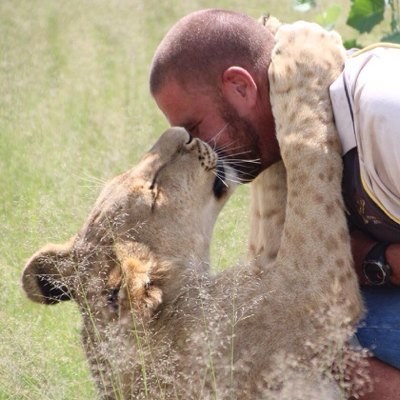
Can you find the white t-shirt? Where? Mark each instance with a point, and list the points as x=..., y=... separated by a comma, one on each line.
x=366, y=105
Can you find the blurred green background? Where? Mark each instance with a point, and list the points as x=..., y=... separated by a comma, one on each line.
x=75, y=111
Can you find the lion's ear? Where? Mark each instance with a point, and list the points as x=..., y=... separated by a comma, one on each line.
x=143, y=276
x=270, y=22
x=45, y=274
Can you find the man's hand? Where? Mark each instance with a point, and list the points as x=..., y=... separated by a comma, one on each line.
x=393, y=259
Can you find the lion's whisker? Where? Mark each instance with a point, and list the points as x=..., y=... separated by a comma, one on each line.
x=230, y=178
x=91, y=179
x=235, y=178
x=219, y=177
x=228, y=147
x=253, y=161
x=215, y=137
x=231, y=156
x=229, y=144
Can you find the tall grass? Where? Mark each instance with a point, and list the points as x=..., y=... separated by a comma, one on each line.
x=74, y=111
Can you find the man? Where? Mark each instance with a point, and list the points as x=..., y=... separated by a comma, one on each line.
x=209, y=75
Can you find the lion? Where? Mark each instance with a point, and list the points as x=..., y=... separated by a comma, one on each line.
x=158, y=325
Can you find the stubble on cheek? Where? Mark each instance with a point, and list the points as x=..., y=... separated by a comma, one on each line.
x=241, y=150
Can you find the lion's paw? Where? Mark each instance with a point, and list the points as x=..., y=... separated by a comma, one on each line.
x=305, y=55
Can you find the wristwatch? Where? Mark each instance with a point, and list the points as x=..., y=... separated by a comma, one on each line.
x=375, y=267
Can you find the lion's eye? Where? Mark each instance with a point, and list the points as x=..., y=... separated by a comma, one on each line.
x=153, y=183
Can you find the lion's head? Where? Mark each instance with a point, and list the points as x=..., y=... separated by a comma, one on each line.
x=164, y=208
x=157, y=215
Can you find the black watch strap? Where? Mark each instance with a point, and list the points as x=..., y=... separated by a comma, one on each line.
x=375, y=267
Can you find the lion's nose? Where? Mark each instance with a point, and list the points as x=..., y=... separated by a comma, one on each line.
x=168, y=144
x=172, y=139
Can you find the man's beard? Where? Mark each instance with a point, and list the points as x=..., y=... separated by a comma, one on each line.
x=243, y=154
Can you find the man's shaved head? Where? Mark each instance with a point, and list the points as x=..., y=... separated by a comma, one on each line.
x=200, y=46
x=210, y=75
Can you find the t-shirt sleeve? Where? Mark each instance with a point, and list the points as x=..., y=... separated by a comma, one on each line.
x=376, y=107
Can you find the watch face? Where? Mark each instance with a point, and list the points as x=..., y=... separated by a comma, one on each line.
x=376, y=272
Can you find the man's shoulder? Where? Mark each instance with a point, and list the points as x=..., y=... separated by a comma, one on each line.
x=376, y=60
x=368, y=85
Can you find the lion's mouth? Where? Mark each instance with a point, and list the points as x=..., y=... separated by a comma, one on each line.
x=220, y=186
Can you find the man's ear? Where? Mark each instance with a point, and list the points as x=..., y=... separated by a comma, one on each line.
x=46, y=273
x=239, y=89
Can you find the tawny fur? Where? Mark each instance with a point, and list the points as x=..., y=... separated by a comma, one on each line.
x=304, y=64
x=157, y=324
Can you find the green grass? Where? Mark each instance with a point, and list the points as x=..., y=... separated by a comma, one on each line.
x=75, y=111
